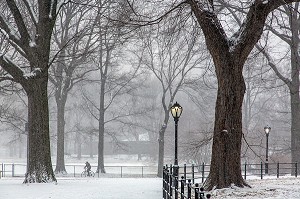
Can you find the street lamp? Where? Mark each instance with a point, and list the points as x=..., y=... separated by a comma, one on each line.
x=267, y=130
x=176, y=111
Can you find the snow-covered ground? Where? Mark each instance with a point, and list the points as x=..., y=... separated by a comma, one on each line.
x=135, y=188
x=139, y=188
x=83, y=188
x=281, y=188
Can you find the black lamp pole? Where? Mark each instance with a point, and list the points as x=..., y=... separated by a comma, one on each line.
x=176, y=111
x=176, y=141
x=267, y=131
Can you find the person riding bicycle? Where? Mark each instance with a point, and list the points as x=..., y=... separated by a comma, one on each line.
x=88, y=167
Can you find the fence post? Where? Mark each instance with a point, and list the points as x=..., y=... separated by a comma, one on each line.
x=184, y=171
x=202, y=193
x=261, y=170
x=245, y=174
x=167, y=183
x=189, y=189
x=13, y=170
x=121, y=172
x=2, y=169
x=164, y=182
x=170, y=182
x=197, y=191
x=296, y=169
x=142, y=172
x=182, y=187
x=277, y=169
x=175, y=180
x=203, y=171
x=193, y=173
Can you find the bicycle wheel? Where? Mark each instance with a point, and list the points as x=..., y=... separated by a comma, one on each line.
x=84, y=174
x=92, y=174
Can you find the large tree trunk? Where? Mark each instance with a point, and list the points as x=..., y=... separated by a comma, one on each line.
x=60, y=155
x=40, y=166
x=226, y=152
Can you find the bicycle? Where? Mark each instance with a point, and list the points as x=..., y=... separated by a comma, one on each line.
x=86, y=174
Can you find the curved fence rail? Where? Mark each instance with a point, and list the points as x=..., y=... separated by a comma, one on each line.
x=180, y=188
x=184, y=181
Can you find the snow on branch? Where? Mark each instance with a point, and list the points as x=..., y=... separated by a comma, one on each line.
x=12, y=68
x=35, y=72
x=205, y=5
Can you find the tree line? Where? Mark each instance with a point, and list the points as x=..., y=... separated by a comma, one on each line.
x=128, y=61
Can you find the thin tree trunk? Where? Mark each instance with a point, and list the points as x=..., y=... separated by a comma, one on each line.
x=40, y=166
x=161, y=145
x=161, y=152
x=91, y=146
x=78, y=145
x=60, y=155
x=100, y=167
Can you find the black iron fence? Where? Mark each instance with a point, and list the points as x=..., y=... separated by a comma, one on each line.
x=198, y=173
x=176, y=188
x=187, y=183
x=75, y=170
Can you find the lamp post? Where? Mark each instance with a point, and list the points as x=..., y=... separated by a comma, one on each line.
x=176, y=111
x=267, y=130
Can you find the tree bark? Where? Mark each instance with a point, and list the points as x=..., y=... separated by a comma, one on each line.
x=161, y=150
x=100, y=167
x=226, y=152
x=60, y=155
x=295, y=101
x=40, y=166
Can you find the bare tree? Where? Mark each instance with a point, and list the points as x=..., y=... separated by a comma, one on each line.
x=286, y=27
x=29, y=32
x=229, y=56
x=170, y=54
x=74, y=39
x=113, y=81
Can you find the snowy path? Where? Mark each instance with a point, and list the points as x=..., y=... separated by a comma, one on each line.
x=80, y=188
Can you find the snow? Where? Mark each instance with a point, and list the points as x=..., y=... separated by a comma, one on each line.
x=33, y=73
x=139, y=188
x=32, y=44
x=81, y=188
x=267, y=188
x=134, y=188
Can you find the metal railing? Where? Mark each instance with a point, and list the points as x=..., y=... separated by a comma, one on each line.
x=192, y=175
x=200, y=172
x=180, y=188
x=75, y=170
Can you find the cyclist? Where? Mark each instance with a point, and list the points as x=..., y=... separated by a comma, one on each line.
x=88, y=167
